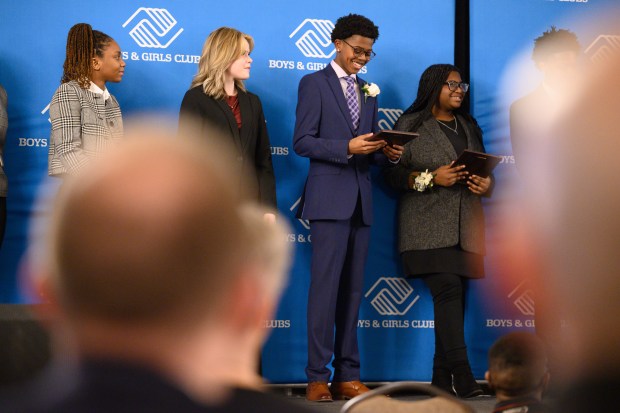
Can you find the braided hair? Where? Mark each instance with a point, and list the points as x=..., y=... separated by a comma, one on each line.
x=83, y=44
x=429, y=89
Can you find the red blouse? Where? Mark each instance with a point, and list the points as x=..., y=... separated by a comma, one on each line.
x=233, y=104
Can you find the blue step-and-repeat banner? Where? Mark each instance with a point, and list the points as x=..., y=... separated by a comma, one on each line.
x=162, y=41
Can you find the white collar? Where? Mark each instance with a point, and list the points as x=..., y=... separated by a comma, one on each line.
x=340, y=71
x=96, y=89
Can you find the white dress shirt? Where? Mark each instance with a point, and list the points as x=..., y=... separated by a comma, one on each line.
x=96, y=89
x=343, y=82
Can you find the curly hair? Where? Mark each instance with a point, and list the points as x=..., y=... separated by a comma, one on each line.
x=554, y=41
x=347, y=26
x=83, y=43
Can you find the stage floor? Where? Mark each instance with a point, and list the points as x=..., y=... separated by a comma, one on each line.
x=481, y=404
x=296, y=394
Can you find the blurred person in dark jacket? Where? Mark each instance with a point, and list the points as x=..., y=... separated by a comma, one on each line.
x=163, y=275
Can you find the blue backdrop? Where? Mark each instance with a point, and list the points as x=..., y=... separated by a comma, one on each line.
x=162, y=42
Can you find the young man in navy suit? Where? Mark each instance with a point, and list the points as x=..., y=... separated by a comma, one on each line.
x=336, y=117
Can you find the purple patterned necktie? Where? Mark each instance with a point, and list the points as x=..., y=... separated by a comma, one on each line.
x=352, y=103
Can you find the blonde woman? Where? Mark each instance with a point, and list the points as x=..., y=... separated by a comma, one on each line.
x=219, y=105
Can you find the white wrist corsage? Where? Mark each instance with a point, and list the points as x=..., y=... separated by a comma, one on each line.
x=370, y=89
x=423, y=181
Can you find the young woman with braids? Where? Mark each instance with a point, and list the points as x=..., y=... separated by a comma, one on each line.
x=85, y=117
x=441, y=226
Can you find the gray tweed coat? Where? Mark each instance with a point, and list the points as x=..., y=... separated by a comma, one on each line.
x=438, y=217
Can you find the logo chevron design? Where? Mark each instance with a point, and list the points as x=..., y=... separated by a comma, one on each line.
x=45, y=109
x=388, y=117
x=524, y=300
x=394, y=296
x=315, y=39
x=603, y=47
x=304, y=222
x=153, y=27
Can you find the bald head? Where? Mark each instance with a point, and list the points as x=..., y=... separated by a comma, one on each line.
x=151, y=228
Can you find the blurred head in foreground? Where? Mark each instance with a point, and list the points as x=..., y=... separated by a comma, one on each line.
x=580, y=212
x=517, y=366
x=152, y=257
x=574, y=224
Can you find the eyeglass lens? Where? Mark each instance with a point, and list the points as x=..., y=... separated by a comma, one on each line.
x=358, y=51
x=452, y=85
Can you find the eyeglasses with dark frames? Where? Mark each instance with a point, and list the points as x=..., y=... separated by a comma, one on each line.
x=359, y=51
x=453, y=85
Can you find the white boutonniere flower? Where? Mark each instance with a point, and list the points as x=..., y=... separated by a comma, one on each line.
x=370, y=89
x=423, y=181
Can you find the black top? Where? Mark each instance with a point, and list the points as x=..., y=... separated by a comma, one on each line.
x=454, y=259
x=458, y=138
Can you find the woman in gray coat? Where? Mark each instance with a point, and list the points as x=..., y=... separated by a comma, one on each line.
x=441, y=222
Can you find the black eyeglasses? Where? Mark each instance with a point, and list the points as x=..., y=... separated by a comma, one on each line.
x=358, y=51
x=453, y=85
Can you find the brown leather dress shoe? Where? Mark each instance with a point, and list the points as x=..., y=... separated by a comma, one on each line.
x=346, y=390
x=317, y=391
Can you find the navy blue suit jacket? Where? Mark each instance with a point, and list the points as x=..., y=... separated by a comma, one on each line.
x=323, y=129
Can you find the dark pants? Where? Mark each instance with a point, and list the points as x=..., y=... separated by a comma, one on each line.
x=339, y=250
x=448, y=291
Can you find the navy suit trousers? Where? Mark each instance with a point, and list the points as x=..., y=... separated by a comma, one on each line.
x=339, y=251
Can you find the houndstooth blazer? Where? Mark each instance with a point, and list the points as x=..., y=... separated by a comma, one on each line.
x=83, y=125
x=438, y=217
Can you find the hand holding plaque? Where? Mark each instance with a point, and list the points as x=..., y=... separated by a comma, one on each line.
x=477, y=163
x=393, y=137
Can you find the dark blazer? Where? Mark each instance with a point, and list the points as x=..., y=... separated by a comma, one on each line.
x=323, y=129
x=438, y=217
x=116, y=386
x=251, y=142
